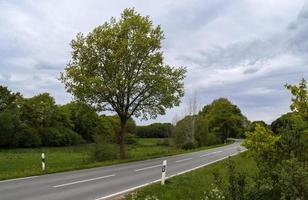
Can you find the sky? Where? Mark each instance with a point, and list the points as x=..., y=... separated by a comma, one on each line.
x=244, y=50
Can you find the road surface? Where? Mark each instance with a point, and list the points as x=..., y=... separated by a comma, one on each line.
x=107, y=182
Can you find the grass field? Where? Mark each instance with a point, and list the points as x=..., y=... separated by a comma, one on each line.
x=192, y=185
x=26, y=162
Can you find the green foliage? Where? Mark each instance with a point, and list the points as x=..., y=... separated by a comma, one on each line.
x=261, y=142
x=8, y=99
x=130, y=139
x=280, y=159
x=300, y=98
x=85, y=120
x=182, y=132
x=203, y=136
x=103, y=150
x=252, y=125
x=155, y=130
x=116, y=124
x=225, y=118
x=119, y=67
x=164, y=142
x=293, y=141
x=59, y=136
x=214, y=124
x=234, y=187
x=41, y=111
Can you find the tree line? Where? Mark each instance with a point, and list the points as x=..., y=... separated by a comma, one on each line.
x=39, y=121
x=212, y=125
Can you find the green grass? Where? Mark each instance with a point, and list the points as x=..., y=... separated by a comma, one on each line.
x=27, y=162
x=192, y=185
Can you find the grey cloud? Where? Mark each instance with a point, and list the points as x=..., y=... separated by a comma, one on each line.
x=218, y=41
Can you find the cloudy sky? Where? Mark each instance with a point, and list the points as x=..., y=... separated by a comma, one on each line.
x=245, y=50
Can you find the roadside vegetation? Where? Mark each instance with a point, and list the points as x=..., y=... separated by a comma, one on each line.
x=274, y=167
x=198, y=184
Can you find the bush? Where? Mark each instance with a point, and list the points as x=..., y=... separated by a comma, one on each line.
x=102, y=150
x=30, y=138
x=59, y=137
x=183, y=133
x=10, y=129
x=130, y=139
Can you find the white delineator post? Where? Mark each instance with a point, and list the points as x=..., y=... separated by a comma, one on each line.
x=163, y=175
x=43, y=161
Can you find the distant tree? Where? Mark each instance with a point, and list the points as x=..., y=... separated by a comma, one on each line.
x=155, y=130
x=7, y=98
x=119, y=67
x=40, y=111
x=299, y=98
x=54, y=126
x=85, y=120
x=181, y=133
x=203, y=136
x=252, y=125
x=225, y=118
x=116, y=124
x=192, y=110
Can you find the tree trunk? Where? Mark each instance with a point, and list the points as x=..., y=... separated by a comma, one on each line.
x=121, y=137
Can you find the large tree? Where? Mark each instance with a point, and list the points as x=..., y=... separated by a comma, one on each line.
x=224, y=118
x=119, y=67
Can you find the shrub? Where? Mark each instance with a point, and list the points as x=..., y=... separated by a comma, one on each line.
x=30, y=138
x=102, y=150
x=10, y=129
x=130, y=139
x=59, y=137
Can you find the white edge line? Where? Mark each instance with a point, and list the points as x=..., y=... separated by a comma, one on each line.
x=82, y=181
x=17, y=179
x=141, y=169
x=128, y=190
x=183, y=160
x=146, y=184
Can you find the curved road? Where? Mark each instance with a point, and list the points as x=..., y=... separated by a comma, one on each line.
x=107, y=182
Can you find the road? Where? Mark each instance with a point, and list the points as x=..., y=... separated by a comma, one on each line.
x=107, y=182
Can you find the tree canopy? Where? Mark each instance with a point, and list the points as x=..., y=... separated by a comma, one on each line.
x=225, y=118
x=299, y=98
x=119, y=67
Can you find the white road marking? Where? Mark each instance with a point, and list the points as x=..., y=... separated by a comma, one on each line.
x=155, y=181
x=210, y=153
x=127, y=190
x=141, y=169
x=82, y=181
x=183, y=160
x=17, y=179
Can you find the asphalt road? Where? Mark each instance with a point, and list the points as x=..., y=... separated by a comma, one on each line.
x=107, y=182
